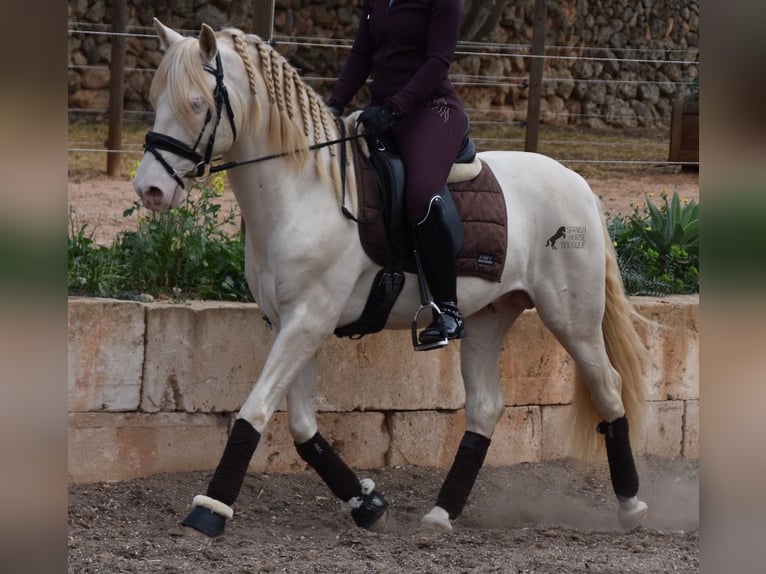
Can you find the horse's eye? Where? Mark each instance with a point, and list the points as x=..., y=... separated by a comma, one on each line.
x=197, y=105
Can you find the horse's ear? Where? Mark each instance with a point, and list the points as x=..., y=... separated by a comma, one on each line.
x=167, y=36
x=207, y=43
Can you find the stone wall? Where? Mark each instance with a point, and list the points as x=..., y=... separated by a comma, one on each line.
x=154, y=388
x=595, y=81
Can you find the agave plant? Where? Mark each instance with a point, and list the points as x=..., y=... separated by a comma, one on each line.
x=670, y=224
x=658, y=247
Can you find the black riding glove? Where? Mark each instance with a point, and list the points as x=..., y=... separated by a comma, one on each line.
x=336, y=110
x=378, y=119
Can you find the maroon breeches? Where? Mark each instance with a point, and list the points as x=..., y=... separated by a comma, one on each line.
x=428, y=139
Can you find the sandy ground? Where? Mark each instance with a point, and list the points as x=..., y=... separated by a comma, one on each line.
x=554, y=517
x=100, y=201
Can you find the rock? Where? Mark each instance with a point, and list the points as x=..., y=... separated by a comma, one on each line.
x=644, y=114
x=90, y=99
x=95, y=78
x=649, y=93
x=553, y=111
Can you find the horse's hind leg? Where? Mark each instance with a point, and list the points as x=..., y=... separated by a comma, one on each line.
x=369, y=508
x=479, y=364
x=583, y=336
x=604, y=384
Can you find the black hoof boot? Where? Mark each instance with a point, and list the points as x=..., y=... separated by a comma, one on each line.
x=370, y=510
x=447, y=325
x=208, y=516
x=206, y=521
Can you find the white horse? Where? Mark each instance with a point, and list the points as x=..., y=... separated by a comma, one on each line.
x=230, y=95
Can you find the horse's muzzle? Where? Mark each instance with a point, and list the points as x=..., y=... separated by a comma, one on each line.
x=152, y=198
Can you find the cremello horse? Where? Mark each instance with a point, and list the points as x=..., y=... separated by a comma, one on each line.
x=229, y=95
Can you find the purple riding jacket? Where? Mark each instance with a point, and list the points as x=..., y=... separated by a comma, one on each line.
x=407, y=46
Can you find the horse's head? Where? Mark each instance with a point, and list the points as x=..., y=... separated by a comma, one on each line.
x=195, y=117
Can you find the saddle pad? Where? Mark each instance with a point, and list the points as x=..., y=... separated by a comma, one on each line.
x=481, y=205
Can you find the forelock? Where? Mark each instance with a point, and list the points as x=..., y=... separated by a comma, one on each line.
x=180, y=72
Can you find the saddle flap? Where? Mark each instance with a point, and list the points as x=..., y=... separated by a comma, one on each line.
x=389, y=173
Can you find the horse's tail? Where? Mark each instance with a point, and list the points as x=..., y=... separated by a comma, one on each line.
x=628, y=356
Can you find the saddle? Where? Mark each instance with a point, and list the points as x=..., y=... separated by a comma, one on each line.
x=474, y=202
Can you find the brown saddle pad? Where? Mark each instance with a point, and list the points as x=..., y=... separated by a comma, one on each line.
x=480, y=203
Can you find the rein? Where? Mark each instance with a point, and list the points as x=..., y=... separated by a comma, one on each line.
x=314, y=147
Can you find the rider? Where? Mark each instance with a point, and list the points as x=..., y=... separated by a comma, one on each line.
x=407, y=46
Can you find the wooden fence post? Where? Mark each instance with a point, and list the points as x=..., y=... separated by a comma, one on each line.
x=263, y=19
x=536, y=76
x=116, y=88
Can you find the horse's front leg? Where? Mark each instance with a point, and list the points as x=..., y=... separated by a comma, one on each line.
x=479, y=365
x=369, y=508
x=296, y=342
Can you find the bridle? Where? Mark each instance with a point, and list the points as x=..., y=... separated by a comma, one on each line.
x=202, y=165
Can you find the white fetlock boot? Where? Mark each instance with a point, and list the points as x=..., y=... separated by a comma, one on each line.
x=437, y=519
x=632, y=512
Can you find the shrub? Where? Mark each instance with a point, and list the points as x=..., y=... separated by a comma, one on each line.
x=184, y=253
x=658, y=247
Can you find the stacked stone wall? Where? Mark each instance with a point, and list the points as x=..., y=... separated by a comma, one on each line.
x=155, y=387
x=617, y=63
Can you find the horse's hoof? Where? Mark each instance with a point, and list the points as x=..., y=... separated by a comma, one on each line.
x=380, y=524
x=189, y=532
x=370, y=511
x=436, y=519
x=208, y=516
x=632, y=512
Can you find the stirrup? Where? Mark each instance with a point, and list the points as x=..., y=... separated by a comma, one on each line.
x=415, y=340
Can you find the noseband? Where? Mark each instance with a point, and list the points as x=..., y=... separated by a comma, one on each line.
x=202, y=167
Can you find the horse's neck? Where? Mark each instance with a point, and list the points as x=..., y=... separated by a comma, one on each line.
x=275, y=195
x=279, y=191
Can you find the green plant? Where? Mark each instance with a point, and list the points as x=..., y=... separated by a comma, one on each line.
x=658, y=247
x=693, y=88
x=186, y=253
x=182, y=254
x=92, y=268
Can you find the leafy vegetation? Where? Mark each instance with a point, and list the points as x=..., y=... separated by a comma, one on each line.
x=658, y=247
x=183, y=254
x=186, y=253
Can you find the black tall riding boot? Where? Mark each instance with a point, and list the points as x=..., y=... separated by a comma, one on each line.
x=437, y=244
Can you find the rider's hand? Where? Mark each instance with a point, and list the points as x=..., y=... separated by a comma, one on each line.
x=378, y=119
x=336, y=110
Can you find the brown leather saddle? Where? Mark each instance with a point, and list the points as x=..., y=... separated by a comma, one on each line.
x=478, y=207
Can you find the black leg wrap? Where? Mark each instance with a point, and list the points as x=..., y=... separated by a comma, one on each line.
x=461, y=477
x=230, y=474
x=622, y=467
x=320, y=456
x=205, y=520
